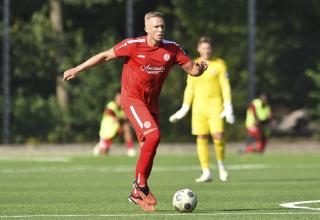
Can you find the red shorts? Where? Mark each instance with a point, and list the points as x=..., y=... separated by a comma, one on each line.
x=141, y=119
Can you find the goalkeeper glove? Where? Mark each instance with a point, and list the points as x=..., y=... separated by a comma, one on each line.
x=228, y=113
x=180, y=113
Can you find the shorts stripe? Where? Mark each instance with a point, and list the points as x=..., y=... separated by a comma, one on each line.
x=135, y=115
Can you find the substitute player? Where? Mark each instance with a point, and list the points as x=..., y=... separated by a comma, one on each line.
x=210, y=96
x=258, y=117
x=113, y=123
x=147, y=61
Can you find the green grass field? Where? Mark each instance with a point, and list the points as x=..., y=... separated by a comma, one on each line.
x=83, y=187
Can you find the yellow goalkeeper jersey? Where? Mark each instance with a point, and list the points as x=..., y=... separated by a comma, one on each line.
x=210, y=89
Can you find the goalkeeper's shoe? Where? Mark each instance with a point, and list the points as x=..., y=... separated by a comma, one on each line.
x=223, y=174
x=145, y=193
x=142, y=203
x=204, y=178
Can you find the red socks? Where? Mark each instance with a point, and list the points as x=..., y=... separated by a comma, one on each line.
x=145, y=162
x=130, y=144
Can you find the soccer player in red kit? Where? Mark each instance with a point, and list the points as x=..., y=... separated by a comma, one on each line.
x=148, y=60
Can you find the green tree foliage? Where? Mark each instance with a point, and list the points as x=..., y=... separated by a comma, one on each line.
x=33, y=68
x=35, y=112
x=286, y=46
x=314, y=95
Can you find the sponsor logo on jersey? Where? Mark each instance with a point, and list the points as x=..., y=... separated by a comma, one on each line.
x=152, y=69
x=166, y=57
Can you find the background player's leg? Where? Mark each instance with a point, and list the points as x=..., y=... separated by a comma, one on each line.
x=261, y=143
x=254, y=135
x=219, y=147
x=131, y=152
x=108, y=130
x=204, y=158
x=103, y=147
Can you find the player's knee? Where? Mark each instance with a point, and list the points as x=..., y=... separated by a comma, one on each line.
x=152, y=140
x=217, y=136
x=154, y=136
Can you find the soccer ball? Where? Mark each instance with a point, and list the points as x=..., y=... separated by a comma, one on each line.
x=184, y=200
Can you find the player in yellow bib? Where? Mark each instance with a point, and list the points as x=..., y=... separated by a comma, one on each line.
x=114, y=122
x=258, y=117
x=210, y=97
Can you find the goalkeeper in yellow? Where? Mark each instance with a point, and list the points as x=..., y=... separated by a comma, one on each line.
x=210, y=96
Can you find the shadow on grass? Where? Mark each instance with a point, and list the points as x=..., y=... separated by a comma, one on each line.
x=280, y=180
x=226, y=210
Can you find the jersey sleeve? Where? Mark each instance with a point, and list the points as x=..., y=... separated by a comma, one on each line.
x=181, y=57
x=123, y=48
x=224, y=81
x=189, y=91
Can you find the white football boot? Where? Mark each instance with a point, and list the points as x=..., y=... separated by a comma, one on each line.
x=96, y=150
x=205, y=176
x=223, y=175
x=100, y=150
x=131, y=152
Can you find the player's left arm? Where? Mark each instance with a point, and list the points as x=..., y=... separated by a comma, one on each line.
x=189, y=66
x=224, y=82
x=194, y=68
x=226, y=92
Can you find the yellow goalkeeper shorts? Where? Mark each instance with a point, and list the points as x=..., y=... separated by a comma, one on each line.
x=207, y=122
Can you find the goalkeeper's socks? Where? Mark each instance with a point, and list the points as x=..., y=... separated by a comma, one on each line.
x=220, y=164
x=206, y=172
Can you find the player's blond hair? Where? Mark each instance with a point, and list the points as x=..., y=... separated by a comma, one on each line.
x=204, y=39
x=152, y=15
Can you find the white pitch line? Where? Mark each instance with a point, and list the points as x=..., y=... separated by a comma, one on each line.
x=120, y=169
x=35, y=159
x=294, y=205
x=165, y=214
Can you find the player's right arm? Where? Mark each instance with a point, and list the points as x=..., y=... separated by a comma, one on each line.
x=91, y=62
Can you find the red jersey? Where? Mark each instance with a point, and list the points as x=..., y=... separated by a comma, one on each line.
x=145, y=70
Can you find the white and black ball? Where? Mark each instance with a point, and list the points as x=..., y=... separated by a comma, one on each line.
x=184, y=200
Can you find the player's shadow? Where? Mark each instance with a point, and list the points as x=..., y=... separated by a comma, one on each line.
x=206, y=211
x=235, y=210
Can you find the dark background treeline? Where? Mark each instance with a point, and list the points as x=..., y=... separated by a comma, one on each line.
x=42, y=47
